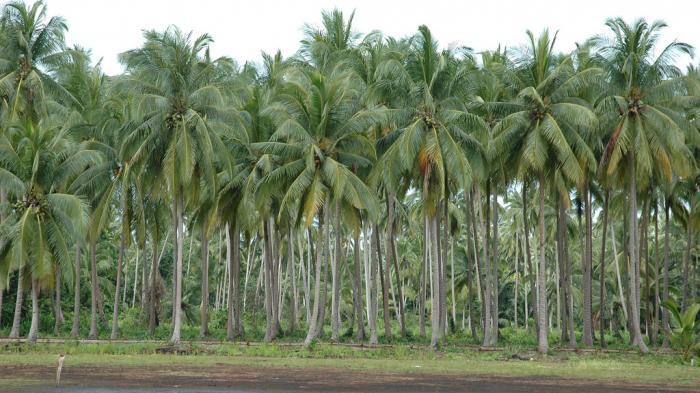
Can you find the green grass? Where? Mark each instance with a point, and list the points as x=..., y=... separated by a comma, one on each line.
x=610, y=367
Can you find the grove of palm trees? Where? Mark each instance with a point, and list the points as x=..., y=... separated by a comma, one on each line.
x=368, y=189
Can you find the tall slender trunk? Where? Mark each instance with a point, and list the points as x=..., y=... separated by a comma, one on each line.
x=117, y=287
x=17, y=317
x=528, y=260
x=666, y=345
x=517, y=280
x=423, y=273
x=384, y=282
x=391, y=256
x=94, y=290
x=235, y=303
x=644, y=249
x=144, y=277
x=268, y=277
x=291, y=273
x=568, y=274
x=136, y=278
x=494, y=270
x=319, y=301
x=153, y=286
x=336, y=284
x=617, y=273
x=435, y=264
x=655, y=324
x=587, y=271
x=204, y=304
x=305, y=280
x=57, y=309
x=443, y=238
x=634, y=255
x=471, y=254
x=357, y=288
x=179, y=240
x=603, y=242
x=543, y=345
x=485, y=271
x=34, y=327
x=373, y=272
x=685, y=293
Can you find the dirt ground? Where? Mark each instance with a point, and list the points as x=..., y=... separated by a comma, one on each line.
x=229, y=378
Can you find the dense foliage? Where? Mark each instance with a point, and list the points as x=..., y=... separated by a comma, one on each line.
x=369, y=181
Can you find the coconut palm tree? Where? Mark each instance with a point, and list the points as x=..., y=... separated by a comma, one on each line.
x=429, y=142
x=36, y=160
x=320, y=134
x=181, y=119
x=644, y=130
x=31, y=45
x=535, y=133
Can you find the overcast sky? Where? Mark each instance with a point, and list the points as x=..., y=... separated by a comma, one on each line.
x=242, y=29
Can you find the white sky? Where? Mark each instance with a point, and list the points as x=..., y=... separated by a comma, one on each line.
x=242, y=29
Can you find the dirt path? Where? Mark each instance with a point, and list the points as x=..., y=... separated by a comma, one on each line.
x=228, y=378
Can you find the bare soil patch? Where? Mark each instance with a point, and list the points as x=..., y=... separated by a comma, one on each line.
x=235, y=378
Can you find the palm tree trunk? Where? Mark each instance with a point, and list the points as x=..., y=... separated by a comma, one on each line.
x=357, y=288
x=528, y=260
x=373, y=272
x=94, y=291
x=58, y=312
x=399, y=284
x=267, y=257
x=384, y=276
x=494, y=269
x=543, y=345
x=568, y=274
x=686, y=261
x=204, y=304
x=617, y=273
x=117, y=287
x=392, y=259
x=644, y=249
x=304, y=280
x=634, y=255
x=235, y=307
x=318, y=299
x=144, y=277
x=153, y=285
x=667, y=251
x=485, y=270
x=179, y=240
x=423, y=273
x=435, y=265
x=587, y=272
x=136, y=278
x=471, y=254
x=34, y=329
x=291, y=273
x=655, y=324
x=335, y=301
x=603, y=242
x=17, y=318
